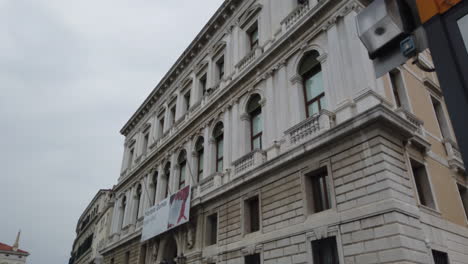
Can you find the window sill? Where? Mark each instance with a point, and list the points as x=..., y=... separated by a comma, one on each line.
x=429, y=210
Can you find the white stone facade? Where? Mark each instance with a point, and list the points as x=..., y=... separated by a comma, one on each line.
x=366, y=143
x=93, y=229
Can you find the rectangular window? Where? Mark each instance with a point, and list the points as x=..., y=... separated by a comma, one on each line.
x=127, y=257
x=161, y=126
x=440, y=257
x=253, y=36
x=187, y=101
x=252, y=259
x=252, y=215
x=112, y=261
x=172, y=117
x=318, y=190
x=440, y=116
x=211, y=229
x=130, y=157
x=464, y=197
x=314, y=90
x=220, y=67
x=398, y=89
x=423, y=186
x=325, y=251
x=155, y=186
x=145, y=142
x=203, y=84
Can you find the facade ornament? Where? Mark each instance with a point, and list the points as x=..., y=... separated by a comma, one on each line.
x=321, y=232
x=296, y=79
x=245, y=117
x=190, y=236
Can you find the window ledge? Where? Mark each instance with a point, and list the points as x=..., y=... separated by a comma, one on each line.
x=429, y=210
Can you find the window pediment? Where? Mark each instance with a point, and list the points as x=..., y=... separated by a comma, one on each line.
x=249, y=15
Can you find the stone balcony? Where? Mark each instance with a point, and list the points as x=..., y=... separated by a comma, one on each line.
x=295, y=16
x=419, y=139
x=454, y=156
x=310, y=127
x=248, y=59
x=249, y=161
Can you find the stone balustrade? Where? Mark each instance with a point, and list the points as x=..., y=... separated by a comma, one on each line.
x=249, y=161
x=453, y=154
x=247, y=60
x=412, y=119
x=295, y=16
x=310, y=127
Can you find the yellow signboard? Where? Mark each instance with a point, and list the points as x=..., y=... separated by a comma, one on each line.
x=429, y=8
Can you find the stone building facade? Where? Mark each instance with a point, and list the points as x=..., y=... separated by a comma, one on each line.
x=294, y=151
x=93, y=229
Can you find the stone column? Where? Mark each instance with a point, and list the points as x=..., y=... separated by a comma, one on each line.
x=207, y=153
x=235, y=130
x=191, y=163
x=179, y=106
x=244, y=142
x=264, y=23
x=269, y=112
x=116, y=216
x=161, y=184
x=297, y=103
x=125, y=158
x=282, y=100
x=228, y=55
x=145, y=195
x=227, y=139
x=153, y=130
x=166, y=118
x=174, y=178
x=335, y=66
x=128, y=208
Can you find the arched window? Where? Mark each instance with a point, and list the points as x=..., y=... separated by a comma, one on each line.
x=182, y=161
x=155, y=185
x=311, y=73
x=218, y=135
x=138, y=200
x=200, y=157
x=254, y=109
x=167, y=176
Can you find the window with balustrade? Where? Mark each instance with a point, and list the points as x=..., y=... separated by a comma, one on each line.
x=314, y=93
x=200, y=152
x=252, y=32
x=218, y=135
x=182, y=162
x=254, y=109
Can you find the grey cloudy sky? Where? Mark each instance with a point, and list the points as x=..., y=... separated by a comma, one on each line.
x=71, y=74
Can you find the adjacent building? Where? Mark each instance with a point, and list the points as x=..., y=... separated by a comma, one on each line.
x=294, y=151
x=12, y=254
x=93, y=229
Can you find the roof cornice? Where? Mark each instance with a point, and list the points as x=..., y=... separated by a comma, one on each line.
x=196, y=46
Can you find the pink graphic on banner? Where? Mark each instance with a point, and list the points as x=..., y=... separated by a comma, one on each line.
x=179, y=208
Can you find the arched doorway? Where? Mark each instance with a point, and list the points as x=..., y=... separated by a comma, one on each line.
x=169, y=253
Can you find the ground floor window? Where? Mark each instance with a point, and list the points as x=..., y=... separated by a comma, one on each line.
x=325, y=251
x=440, y=257
x=252, y=259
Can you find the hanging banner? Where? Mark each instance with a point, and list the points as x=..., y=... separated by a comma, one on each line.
x=167, y=214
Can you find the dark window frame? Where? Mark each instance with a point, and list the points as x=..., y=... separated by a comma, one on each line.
x=252, y=31
x=212, y=229
x=322, y=246
x=306, y=76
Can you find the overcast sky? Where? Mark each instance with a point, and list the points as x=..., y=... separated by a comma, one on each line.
x=72, y=72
